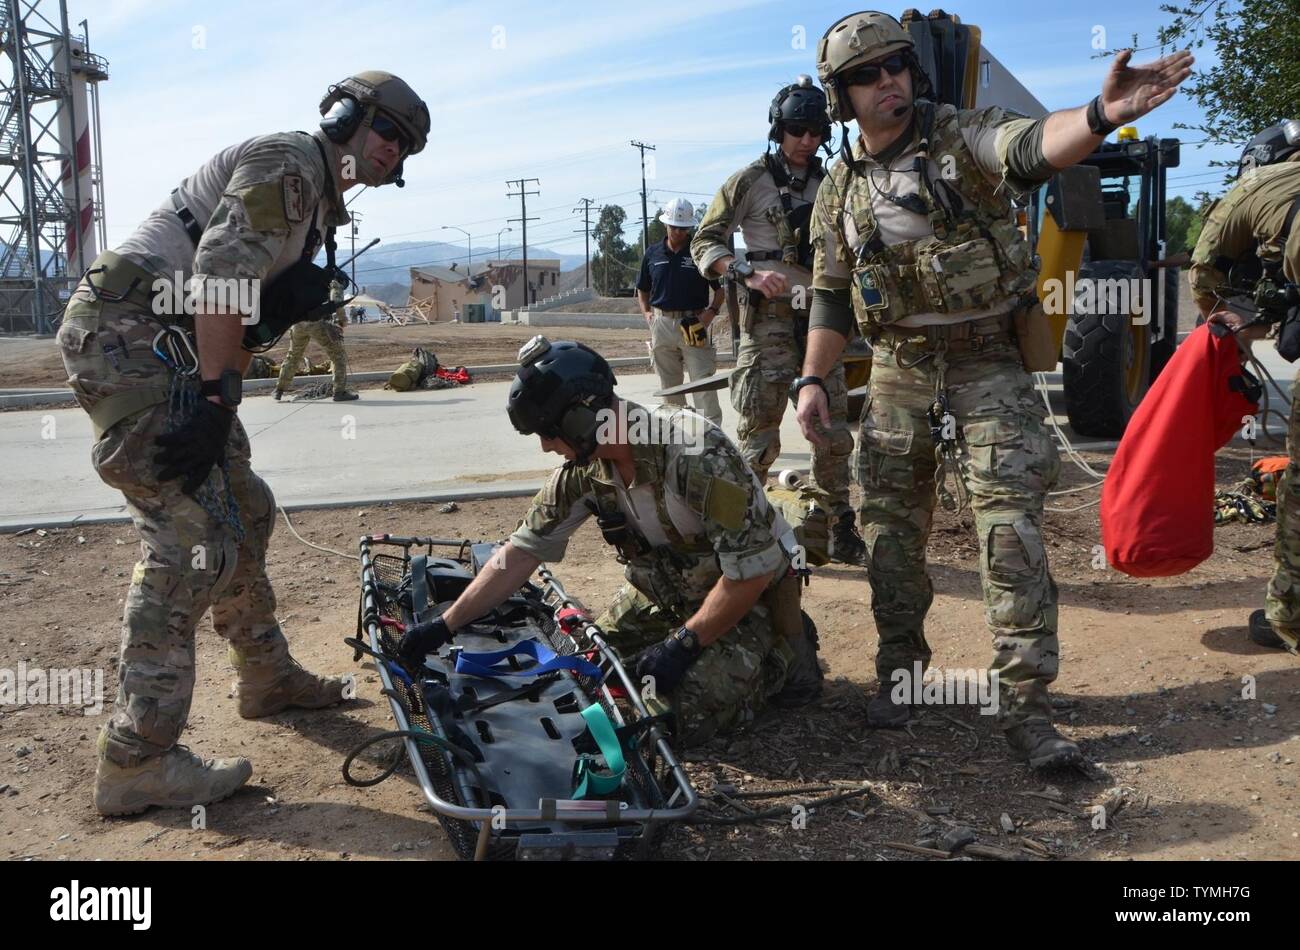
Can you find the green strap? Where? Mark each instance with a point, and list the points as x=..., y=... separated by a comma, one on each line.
x=113, y=408
x=588, y=778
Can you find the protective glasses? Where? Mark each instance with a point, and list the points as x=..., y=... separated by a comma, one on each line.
x=390, y=131
x=869, y=75
x=799, y=131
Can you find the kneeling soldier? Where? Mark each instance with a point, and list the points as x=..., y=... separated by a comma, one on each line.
x=706, y=606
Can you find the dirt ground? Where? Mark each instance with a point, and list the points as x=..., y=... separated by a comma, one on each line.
x=27, y=361
x=1151, y=685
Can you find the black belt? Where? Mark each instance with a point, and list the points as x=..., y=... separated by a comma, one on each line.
x=764, y=255
x=187, y=218
x=970, y=334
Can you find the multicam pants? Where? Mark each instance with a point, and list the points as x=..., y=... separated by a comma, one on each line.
x=196, y=553
x=1007, y=462
x=771, y=357
x=673, y=358
x=1282, y=603
x=329, y=337
x=727, y=686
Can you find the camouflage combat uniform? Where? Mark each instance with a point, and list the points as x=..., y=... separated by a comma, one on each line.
x=328, y=335
x=695, y=514
x=258, y=200
x=1248, y=223
x=773, y=332
x=936, y=326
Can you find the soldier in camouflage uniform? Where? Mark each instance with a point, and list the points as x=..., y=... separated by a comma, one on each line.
x=769, y=201
x=933, y=268
x=1252, y=233
x=706, y=556
x=328, y=335
x=161, y=385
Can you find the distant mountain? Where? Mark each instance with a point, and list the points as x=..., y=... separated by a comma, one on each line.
x=391, y=263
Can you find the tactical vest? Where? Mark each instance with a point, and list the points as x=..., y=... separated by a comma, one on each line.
x=975, y=259
x=792, y=224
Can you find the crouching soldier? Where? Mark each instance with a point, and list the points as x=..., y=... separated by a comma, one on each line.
x=706, y=610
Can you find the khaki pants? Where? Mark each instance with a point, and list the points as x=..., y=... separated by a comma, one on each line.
x=672, y=357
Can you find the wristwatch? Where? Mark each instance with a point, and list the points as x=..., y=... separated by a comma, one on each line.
x=740, y=271
x=689, y=640
x=1097, y=121
x=803, y=381
x=229, y=388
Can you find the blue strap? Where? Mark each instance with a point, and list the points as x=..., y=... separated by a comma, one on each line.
x=588, y=777
x=491, y=665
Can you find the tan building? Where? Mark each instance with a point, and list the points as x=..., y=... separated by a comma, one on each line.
x=443, y=294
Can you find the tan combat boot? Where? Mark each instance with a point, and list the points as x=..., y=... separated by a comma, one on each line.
x=273, y=682
x=175, y=779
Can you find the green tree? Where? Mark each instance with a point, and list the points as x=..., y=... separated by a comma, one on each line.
x=1255, y=80
x=610, y=260
x=1180, y=219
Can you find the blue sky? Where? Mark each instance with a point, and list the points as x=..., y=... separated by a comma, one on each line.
x=552, y=91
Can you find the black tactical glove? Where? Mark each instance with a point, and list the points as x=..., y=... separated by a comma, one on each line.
x=667, y=662
x=421, y=639
x=694, y=332
x=192, y=450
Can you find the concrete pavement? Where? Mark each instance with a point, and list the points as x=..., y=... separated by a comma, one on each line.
x=427, y=445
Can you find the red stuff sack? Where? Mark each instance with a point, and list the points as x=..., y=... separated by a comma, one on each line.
x=1157, y=503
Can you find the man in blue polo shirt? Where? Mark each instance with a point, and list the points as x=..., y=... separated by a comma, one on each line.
x=675, y=300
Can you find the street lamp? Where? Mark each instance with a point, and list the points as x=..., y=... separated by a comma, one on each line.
x=499, y=233
x=469, y=247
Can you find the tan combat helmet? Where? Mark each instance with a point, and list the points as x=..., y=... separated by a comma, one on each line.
x=376, y=90
x=852, y=41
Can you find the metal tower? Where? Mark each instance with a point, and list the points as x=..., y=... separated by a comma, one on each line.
x=51, y=187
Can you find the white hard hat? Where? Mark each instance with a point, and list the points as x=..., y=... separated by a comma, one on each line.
x=678, y=213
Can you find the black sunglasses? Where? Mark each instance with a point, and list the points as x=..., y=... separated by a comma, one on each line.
x=390, y=131
x=869, y=75
x=799, y=131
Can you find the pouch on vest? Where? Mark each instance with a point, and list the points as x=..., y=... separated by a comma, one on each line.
x=807, y=511
x=960, y=277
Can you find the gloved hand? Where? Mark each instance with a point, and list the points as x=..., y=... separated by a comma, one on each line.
x=421, y=640
x=694, y=332
x=667, y=662
x=195, y=447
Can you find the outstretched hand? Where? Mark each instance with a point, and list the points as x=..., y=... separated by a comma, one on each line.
x=1130, y=92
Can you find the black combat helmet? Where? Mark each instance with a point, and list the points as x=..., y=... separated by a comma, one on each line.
x=802, y=103
x=1275, y=144
x=559, y=391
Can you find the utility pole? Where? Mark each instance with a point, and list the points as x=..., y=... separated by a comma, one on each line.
x=356, y=216
x=586, y=230
x=645, y=217
x=523, y=219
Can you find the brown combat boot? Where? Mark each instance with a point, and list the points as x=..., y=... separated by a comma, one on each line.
x=1266, y=634
x=1038, y=742
x=175, y=779
x=884, y=712
x=273, y=682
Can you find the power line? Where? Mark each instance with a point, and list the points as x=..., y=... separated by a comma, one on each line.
x=586, y=233
x=645, y=217
x=523, y=219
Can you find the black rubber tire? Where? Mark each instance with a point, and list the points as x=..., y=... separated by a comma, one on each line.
x=1094, y=354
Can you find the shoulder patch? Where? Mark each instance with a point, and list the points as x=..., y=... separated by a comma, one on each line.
x=295, y=203
x=266, y=204
x=726, y=504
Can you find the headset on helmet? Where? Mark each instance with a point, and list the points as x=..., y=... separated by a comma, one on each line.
x=800, y=103
x=1275, y=144
x=357, y=99
x=559, y=392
